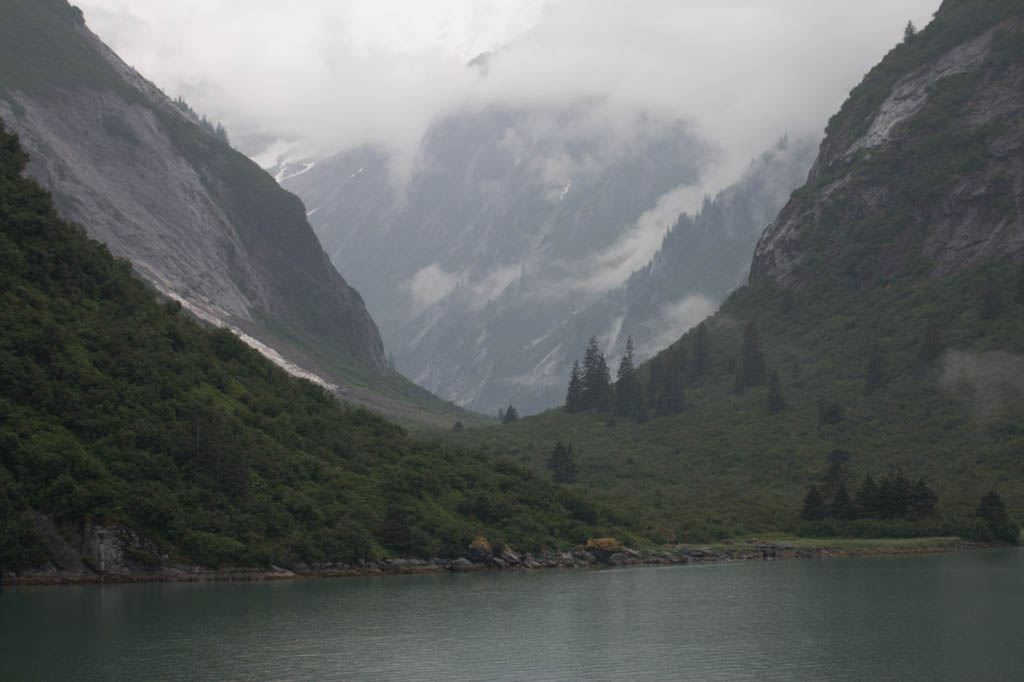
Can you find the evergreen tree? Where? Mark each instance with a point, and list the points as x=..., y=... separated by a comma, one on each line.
x=701, y=353
x=574, y=401
x=457, y=426
x=866, y=500
x=775, y=401
x=511, y=415
x=922, y=501
x=843, y=507
x=603, y=386
x=562, y=463
x=595, y=378
x=627, y=390
x=752, y=369
x=993, y=512
x=894, y=496
x=910, y=32
x=814, y=508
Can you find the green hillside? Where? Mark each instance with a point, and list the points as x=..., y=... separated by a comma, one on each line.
x=727, y=465
x=298, y=304
x=117, y=409
x=886, y=306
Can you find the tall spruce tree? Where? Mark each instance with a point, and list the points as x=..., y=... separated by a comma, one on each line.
x=562, y=463
x=867, y=499
x=843, y=507
x=814, y=508
x=993, y=512
x=574, y=395
x=511, y=415
x=596, y=378
x=627, y=390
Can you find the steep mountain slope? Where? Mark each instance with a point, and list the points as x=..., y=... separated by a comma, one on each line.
x=133, y=441
x=882, y=329
x=525, y=225
x=921, y=165
x=197, y=219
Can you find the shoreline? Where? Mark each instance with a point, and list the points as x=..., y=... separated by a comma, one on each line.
x=507, y=560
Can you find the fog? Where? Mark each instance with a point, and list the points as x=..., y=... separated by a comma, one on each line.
x=319, y=76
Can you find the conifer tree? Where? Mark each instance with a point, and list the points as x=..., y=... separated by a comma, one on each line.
x=866, y=500
x=511, y=415
x=993, y=512
x=627, y=390
x=910, y=32
x=843, y=507
x=574, y=395
x=562, y=463
x=596, y=378
x=922, y=501
x=814, y=508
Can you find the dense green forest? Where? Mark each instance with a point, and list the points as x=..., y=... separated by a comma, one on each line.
x=118, y=408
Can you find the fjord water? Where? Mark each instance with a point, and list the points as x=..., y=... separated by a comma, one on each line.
x=934, y=617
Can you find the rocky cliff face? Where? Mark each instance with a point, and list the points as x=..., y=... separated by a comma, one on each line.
x=197, y=219
x=923, y=168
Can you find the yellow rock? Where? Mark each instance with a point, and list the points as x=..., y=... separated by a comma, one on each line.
x=607, y=544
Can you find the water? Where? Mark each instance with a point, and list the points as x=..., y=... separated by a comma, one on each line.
x=935, y=617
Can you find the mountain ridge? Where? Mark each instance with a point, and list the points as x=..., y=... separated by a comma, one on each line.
x=200, y=221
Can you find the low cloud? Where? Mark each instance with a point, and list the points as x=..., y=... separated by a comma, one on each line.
x=327, y=75
x=990, y=383
x=679, y=317
x=430, y=285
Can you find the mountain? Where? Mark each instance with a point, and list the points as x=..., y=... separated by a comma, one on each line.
x=919, y=167
x=198, y=220
x=881, y=332
x=509, y=242
x=136, y=443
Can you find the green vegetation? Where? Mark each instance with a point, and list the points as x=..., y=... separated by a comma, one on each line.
x=119, y=409
x=954, y=22
x=949, y=410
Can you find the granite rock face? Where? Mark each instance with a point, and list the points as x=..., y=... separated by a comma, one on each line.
x=952, y=118
x=197, y=219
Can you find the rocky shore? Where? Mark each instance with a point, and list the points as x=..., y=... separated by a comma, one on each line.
x=118, y=555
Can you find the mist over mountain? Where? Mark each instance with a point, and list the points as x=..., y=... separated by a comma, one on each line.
x=162, y=188
x=517, y=236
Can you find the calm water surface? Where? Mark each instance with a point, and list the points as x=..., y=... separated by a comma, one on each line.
x=937, y=617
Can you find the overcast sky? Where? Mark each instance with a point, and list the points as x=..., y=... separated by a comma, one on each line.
x=331, y=74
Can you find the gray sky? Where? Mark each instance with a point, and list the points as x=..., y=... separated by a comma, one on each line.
x=331, y=74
